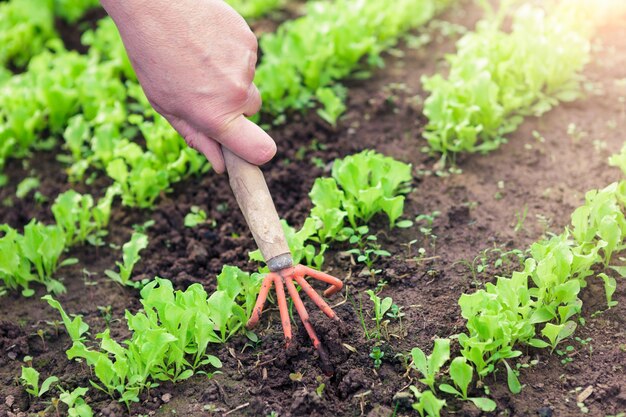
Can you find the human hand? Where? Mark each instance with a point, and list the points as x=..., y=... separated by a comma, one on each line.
x=195, y=60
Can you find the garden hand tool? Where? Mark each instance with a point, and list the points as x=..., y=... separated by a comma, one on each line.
x=255, y=201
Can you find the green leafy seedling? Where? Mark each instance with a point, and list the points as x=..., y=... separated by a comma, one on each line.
x=75, y=328
x=77, y=407
x=377, y=355
x=428, y=404
x=462, y=374
x=430, y=365
x=195, y=217
x=381, y=307
x=131, y=249
x=30, y=380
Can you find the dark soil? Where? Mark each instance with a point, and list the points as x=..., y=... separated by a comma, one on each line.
x=479, y=210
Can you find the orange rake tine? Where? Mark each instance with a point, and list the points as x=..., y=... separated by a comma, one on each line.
x=313, y=295
x=260, y=301
x=282, y=307
x=304, y=317
x=336, y=284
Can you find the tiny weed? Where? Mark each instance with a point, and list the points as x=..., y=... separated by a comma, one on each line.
x=520, y=219
x=377, y=355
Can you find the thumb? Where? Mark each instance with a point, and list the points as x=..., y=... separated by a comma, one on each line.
x=247, y=140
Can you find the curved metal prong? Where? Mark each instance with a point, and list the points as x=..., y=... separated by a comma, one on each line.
x=336, y=284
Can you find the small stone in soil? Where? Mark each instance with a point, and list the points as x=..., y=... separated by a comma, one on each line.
x=404, y=399
x=544, y=412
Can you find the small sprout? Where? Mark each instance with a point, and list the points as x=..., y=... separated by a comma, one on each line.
x=143, y=228
x=296, y=376
x=195, y=217
x=42, y=335
x=26, y=186
x=575, y=133
x=395, y=312
x=377, y=355
x=106, y=314
x=521, y=218
x=321, y=387
x=30, y=380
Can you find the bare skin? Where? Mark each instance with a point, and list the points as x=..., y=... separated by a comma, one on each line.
x=195, y=60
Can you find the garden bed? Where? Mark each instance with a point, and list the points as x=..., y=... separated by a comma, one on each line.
x=538, y=178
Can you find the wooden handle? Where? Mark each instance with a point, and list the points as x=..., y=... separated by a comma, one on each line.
x=257, y=206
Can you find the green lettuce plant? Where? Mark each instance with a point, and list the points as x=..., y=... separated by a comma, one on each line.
x=25, y=26
x=77, y=407
x=427, y=403
x=169, y=339
x=30, y=380
x=130, y=257
x=39, y=249
x=381, y=307
x=462, y=374
x=330, y=42
x=429, y=366
x=372, y=183
x=80, y=219
x=497, y=78
x=536, y=306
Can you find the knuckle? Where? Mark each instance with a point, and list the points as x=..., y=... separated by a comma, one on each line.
x=192, y=141
x=240, y=92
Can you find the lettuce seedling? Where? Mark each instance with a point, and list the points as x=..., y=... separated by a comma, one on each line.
x=555, y=333
x=372, y=183
x=327, y=210
x=430, y=365
x=601, y=217
x=43, y=245
x=76, y=328
x=428, y=404
x=610, y=285
x=25, y=26
x=15, y=269
x=77, y=407
x=80, y=220
x=26, y=186
x=39, y=248
x=241, y=286
x=462, y=373
x=381, y=306
x=195, y=217
x=194, y=318
x=30, y=380
x=124, y=372
x=130, y=249
x=141, y=181
x=332, y=103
